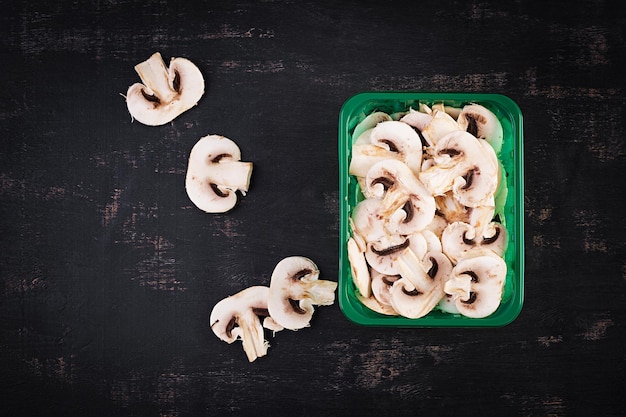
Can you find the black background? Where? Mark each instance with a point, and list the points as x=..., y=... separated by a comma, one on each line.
x=108, y=272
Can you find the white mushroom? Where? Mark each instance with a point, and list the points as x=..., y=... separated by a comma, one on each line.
x=359, y=268
x=476, y=283
x=482, y=123
x=459, y=238
x=401, y=138
x=237, y=318
x=464, y=166
x=215, y=173
x=383, y=255
x=367, y=222
x=421, y=288
x=440, y=125
x=381, y=287
x=374, y=305
x=295, y=288
x=165, y=92
x=368, y=123
x=417, y=119
x=399, y=188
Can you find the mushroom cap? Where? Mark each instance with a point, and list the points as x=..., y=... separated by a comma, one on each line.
x=476, y=283
x=215, y=173
x=237, y=318
x=165, y=92
x=295, y=288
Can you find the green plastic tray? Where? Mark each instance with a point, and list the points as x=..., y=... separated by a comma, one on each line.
x=354, y=110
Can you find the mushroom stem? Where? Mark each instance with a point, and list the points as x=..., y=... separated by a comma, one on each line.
x=250, y=331
x=154, y=75
x=320, y=292
x=234, y=175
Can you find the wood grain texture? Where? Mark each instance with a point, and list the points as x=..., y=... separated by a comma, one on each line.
x=108, y=272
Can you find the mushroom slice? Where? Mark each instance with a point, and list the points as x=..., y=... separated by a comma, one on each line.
x=399, y=137
x=369, y=122
x=459, y=238
x=421, y=286
x=358, y=267
x=394, y=183
x=374, y=305
x=237, y=318
x=367, y=154
x=482, y=123
x=215, y=173
x=464, y=166
x=417, y=119
x=440, y=125
x=295, y=289
x=366, y=220
x=383, y=254
x=165, y=92
x=381, y=287
x=476, y=283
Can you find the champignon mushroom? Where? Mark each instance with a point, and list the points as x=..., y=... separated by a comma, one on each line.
x=215, y=173
x=459, y=238
x=476, y=283
x=482, y=123
x=381, y=287
x=165, y=92
x=440, y=125
x=464, y=166
x=358, y=267
x=374, y=305
x=399, y=188
x=383, y=255
x=295, y=288
x=237, y=318
x=399, y=137
x=413, y=296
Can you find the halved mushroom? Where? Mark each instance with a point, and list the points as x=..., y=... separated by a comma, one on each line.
x=165, y=92
x=295, y=288
x=215, y=173
x=464, y=166
x=476, y=283
x=237, y=318
x=459, y=238
x=482, y=123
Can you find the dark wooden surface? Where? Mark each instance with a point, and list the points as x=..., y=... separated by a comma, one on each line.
x=108, y=272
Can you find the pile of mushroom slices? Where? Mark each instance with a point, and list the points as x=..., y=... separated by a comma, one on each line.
x=426, y=236
x=288, y=303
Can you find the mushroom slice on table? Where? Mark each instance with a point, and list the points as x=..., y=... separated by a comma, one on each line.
x=164, y=93
x=295, y=288
x=476, y=283
x=482, y=123
x=215, y=173
x=459, y=238
x=237, y=318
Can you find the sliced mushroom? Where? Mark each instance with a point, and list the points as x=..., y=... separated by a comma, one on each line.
x=383, y=255
x=165, y=92
x=399, y=188
x=440, y=125
x=358, y=267
x=295, y=288
x=476, y=283
x=237, y=318
x=417, y=119
x=366, y=220
x=422, y=287
x=215, y=173
x=381, y=287
x=369, y=122
x=459, y=238
x=482, y=123
x=399, y=137
x=464, y=166
x=374, y=305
